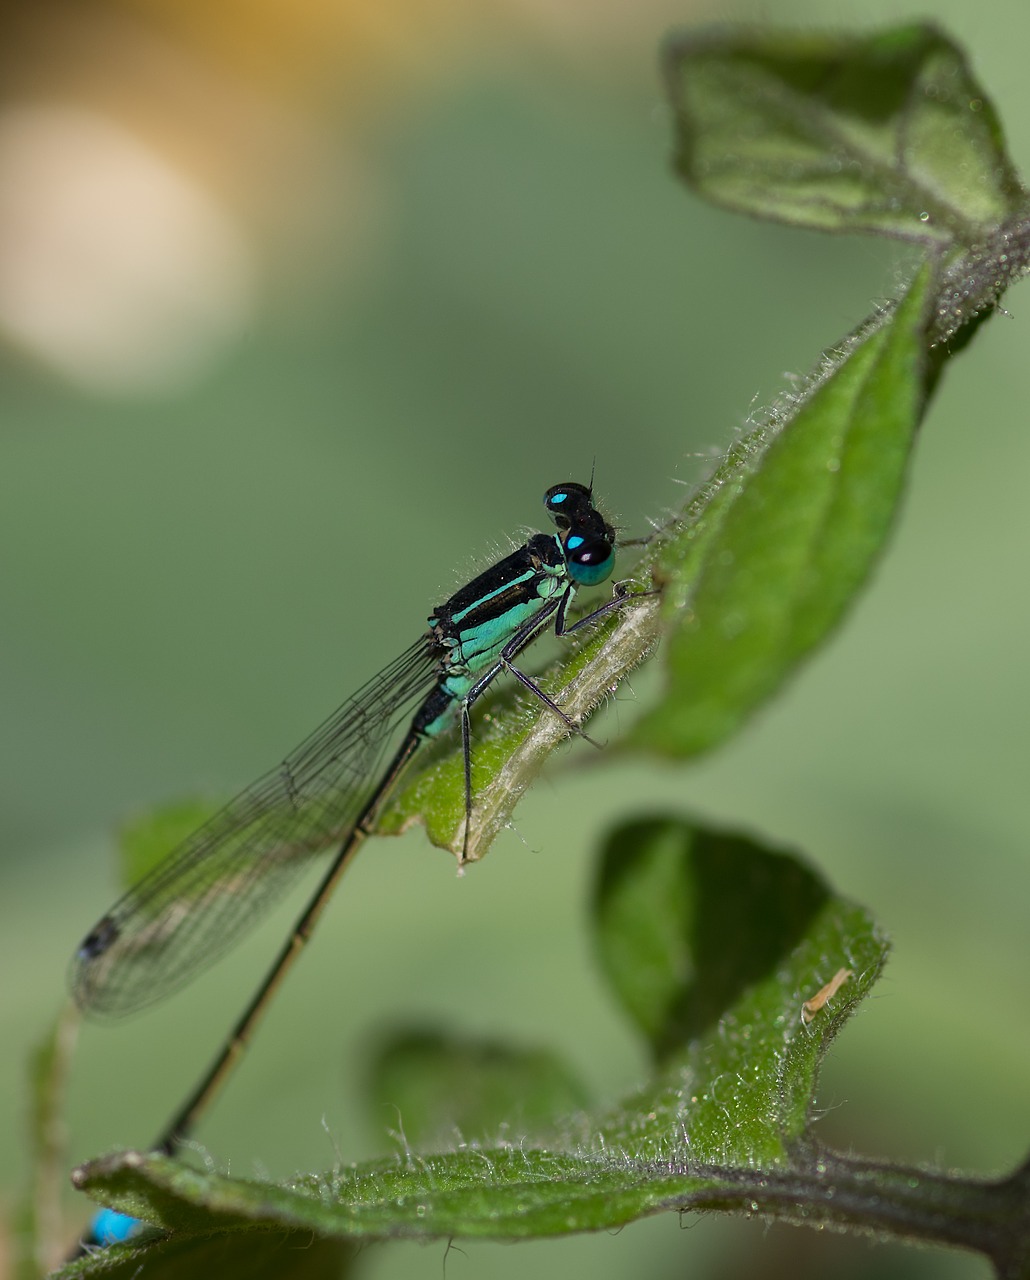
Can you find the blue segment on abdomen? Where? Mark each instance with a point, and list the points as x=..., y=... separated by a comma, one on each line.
x=111, y=1227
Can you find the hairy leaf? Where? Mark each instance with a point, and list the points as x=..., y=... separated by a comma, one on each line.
x=888, y=133
x=785, y=534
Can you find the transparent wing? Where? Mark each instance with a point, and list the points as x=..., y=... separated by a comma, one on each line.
x=219, y=882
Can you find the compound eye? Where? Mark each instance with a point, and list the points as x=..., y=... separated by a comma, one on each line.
x=564, y=500
x=590, y=558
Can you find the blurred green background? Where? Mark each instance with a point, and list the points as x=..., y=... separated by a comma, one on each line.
x=303, y=307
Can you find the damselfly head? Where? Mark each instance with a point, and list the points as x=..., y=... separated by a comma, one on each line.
x=587, y=539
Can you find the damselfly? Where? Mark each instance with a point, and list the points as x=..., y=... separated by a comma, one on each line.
x=330, y=792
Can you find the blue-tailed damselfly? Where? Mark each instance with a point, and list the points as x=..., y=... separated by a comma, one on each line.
x=330, y=791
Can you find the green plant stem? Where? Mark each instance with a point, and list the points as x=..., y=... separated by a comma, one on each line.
x=850, y=1193
x=971, y=286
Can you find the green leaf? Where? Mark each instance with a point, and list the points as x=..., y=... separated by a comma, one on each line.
x=688, y=919
x=730, y=1100
x=785, y=534
x=438, y=1089
x=887, y=133
x=231, y=1255
x=750, y=935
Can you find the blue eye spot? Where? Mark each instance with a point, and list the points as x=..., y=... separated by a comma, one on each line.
x=558, y=497
x=573, y=543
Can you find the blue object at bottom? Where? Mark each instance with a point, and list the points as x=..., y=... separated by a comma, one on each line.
x=111, y=1227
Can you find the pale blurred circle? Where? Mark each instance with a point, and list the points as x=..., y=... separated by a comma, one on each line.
x=116, y=269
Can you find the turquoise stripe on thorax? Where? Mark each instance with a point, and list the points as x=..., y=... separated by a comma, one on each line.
x=546, y=574
x=479, y=646
x=492, y=595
